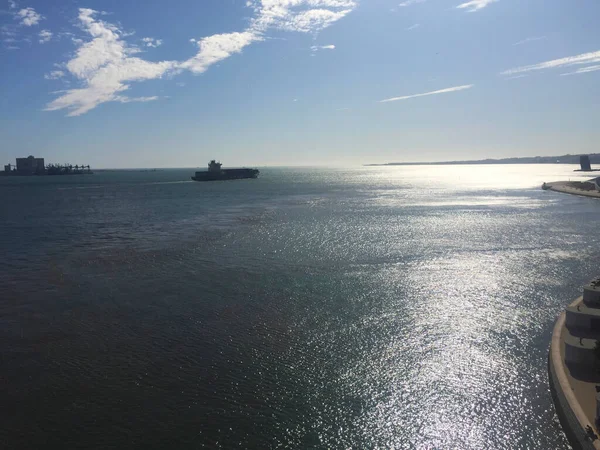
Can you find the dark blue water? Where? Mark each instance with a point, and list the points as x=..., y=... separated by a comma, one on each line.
x=405, y=307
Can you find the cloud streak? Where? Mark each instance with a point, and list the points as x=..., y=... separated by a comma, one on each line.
x=583, y=70
x=475, y=5
x=216, y=48
x=136, y=99
x=410, y=2
x=316, y=48
x=584, y=58
x=441, y=91
x=530, y=39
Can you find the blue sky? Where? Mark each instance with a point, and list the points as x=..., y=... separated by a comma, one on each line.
x=297, y=82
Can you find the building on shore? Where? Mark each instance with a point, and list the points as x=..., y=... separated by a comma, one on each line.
x=36, y=166
x=30, y=166
x=574, y=369
x=584, y=161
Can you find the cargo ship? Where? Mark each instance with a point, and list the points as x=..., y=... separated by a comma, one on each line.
x=215, y=173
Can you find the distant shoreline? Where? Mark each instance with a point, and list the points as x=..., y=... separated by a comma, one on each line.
x=564, y=159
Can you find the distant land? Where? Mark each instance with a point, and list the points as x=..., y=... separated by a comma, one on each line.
x=565, y=159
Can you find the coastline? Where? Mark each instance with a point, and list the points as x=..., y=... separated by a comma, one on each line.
x=567, y=187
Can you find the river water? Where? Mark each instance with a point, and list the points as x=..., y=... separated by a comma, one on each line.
x=367, y=307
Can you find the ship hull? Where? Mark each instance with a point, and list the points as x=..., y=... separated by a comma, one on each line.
x=226, y=174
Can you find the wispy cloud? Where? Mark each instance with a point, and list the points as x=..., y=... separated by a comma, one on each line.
x=530, y=39
x=315, y=48
x=584, y=58
x=106, y=65
x=45, y=36
x=151, y=42
x=216, y=48
x=124, y=99
x=24, y=17
x=583, y=70
x=411, y=2
x=441, y=91
x=306, y=16
x=54, y=75
x=29, y=17
x=7, y=30
x=413, y=27
x=475, y=5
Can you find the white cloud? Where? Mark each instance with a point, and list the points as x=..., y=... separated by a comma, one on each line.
x=29, y=17
x=54, y=75
x=530, y=39
x=413, y=27
x=584, y=58
x=316, y=48
x=583, y=70
x=313, y=20
x=105, y=67
x=151, y=42
x=45, y=36
x=307, y=16
x=135, y=99
x=411, y=2
x=23, y=17
x=216, y=48
x=475, y=5
x=441, y=91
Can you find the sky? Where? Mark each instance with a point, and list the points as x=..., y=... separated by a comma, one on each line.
x=118, y=84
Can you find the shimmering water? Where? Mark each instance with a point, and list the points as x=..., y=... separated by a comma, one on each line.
x=400, y=307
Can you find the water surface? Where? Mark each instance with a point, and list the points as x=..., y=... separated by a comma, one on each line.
x=373, y=307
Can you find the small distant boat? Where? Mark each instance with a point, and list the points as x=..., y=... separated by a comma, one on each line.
x=215, y=173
